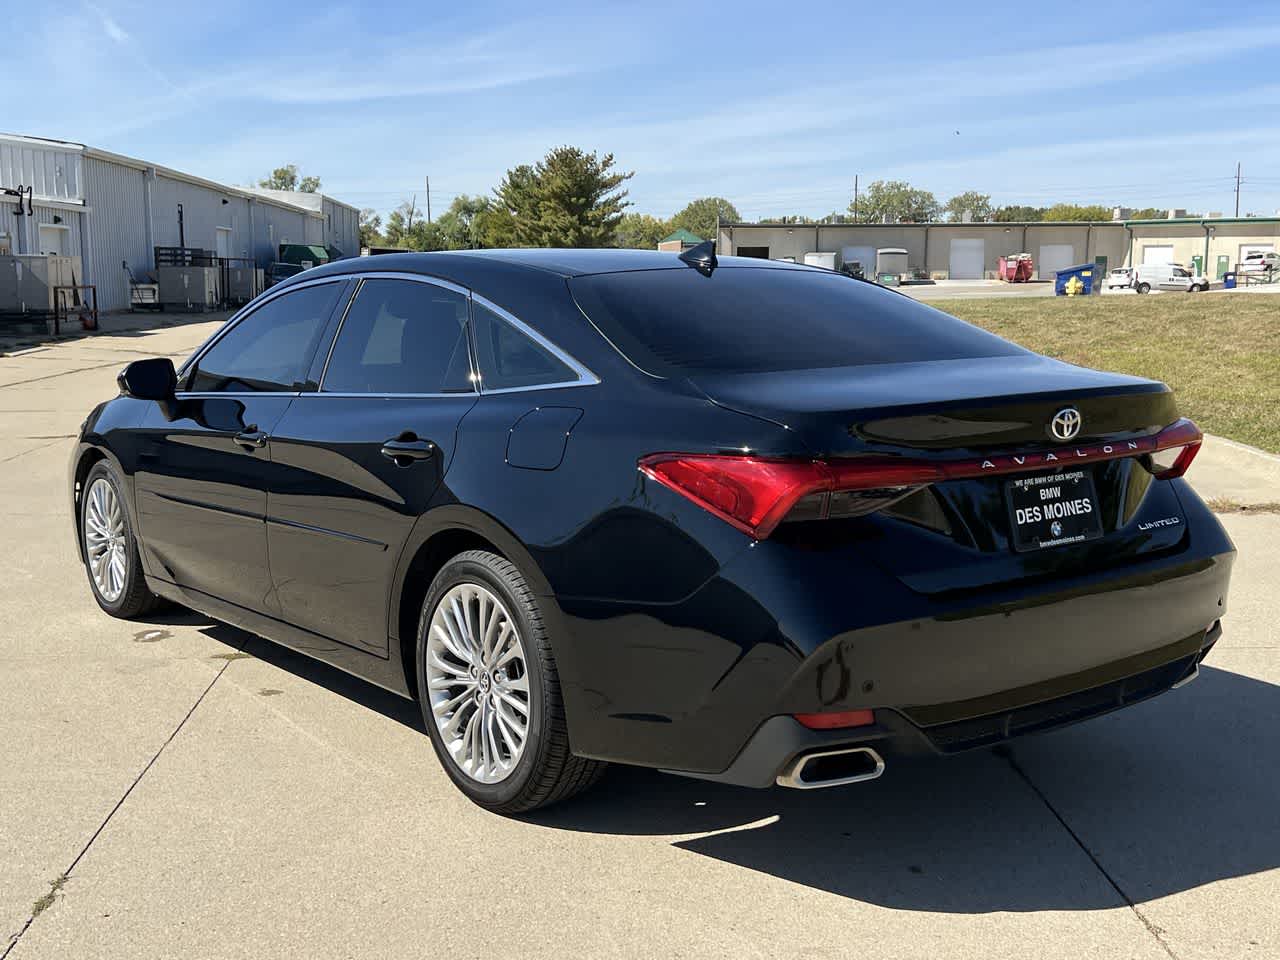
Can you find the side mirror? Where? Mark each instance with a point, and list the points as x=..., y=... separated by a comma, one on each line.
x=150, y=379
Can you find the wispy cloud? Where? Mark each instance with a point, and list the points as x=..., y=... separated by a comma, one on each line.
x=109, y=25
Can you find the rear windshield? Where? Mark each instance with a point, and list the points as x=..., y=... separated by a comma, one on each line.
x=678, y=323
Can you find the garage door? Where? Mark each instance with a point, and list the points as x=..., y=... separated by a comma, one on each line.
x=1158, y=254
x=1248, y=248
x=1054, y=257
x=967, y=259
x=863, y=255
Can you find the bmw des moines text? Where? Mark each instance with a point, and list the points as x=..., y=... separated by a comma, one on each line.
x=737, y=519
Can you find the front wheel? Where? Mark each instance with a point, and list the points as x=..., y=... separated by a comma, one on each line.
x=110, y=548
x=489, y=690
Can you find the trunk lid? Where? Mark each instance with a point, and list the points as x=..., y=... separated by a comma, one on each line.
x=959, y=534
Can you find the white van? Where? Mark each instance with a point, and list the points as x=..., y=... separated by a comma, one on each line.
x=1168, y=276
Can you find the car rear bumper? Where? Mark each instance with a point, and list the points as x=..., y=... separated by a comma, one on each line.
x=780, y=741
x=690, y=686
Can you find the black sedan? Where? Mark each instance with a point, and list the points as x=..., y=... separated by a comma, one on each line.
x=736, y=519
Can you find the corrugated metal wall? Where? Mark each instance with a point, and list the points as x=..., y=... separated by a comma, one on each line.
x=117, y=229
x=342, y=228
x=52, y=171
x=62, y=218
x=275, y=225
x=203, y=211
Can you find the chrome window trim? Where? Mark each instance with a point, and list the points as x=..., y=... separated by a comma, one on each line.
x=413, y=278
x=585, y=377
x=208, y=394
x=248, y=310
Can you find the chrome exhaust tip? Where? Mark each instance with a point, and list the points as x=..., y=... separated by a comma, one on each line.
x=831, y=768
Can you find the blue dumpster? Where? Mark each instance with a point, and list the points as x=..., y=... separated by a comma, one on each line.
x=1229, y=280
x=1087, y=272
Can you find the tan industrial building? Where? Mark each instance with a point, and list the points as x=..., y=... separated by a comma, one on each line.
x=971, y=251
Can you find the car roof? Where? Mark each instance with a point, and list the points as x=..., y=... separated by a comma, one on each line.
x=561, y=262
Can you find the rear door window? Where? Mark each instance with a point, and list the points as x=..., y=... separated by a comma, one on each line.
x=679, y=323
x=510, y=358
x=271, y=348
x=402, y=336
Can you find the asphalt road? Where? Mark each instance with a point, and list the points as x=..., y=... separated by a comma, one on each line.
x=179, y=788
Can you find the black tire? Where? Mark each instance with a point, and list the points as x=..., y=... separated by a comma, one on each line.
x=1143, y=288
x=135, y=599
x=547, y=771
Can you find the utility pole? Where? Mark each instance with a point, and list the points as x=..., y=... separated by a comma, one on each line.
x=428, y=199
x=855, y=198
x=1237, y=189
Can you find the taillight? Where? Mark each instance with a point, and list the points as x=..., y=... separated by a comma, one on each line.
x=837, y=721
x=754, y=494
x=1176, y=447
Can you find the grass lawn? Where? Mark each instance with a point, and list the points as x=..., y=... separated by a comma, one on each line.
x=1219, y=352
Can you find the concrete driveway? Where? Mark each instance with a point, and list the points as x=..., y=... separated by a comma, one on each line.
x=179, y=788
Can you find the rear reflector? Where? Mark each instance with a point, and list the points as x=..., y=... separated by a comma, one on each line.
x=754, y=494
x=837, y=721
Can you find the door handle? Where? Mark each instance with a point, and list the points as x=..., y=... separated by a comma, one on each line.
x=403, y=451
x=252, y=437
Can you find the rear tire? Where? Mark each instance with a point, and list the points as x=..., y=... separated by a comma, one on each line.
x=489, y=690
x=1143, y=288
x=109, y=547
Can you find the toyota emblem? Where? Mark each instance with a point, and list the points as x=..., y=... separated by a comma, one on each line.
x=1065, y=424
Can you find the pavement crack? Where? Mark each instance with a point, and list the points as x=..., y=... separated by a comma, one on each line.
x=1151, y=928
x=55, y=886
x=43, y=446
x=64, y=373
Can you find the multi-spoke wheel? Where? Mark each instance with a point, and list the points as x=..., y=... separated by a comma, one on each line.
x=104, y=539
x=110, y=552
x=477, y=682
x=489, y=690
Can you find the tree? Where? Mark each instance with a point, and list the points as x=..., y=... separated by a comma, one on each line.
x=286, y=178
x=788, y=218
x=370, y=227
x=1149, y=213
x=458, y=223
x=400, y=223
x=641, y=231
x=701, y=216
x=1017, y=213
x=970, y=205
x=1074, y=211
x=896, y=201
x=569, y=198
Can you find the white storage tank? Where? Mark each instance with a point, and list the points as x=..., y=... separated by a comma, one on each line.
x=828, y=260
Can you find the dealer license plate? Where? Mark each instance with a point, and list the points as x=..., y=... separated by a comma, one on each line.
x=1053, y=510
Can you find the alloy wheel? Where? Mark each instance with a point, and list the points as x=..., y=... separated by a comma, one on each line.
x=105, y=540
x=478, y=682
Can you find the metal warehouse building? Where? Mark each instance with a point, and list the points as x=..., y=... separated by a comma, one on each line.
x=971, y=251
x=103, y=210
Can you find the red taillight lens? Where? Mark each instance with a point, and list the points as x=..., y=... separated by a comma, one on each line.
x=837, y=721
x=1176, y=446
x=754, y=494
x=751, y=493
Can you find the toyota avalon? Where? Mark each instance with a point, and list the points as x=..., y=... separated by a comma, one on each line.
x=736, y=519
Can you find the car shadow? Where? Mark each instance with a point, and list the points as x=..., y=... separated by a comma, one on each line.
x=1168, y=795
x=367, y=694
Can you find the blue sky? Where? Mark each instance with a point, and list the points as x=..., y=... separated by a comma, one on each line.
x=775, y=106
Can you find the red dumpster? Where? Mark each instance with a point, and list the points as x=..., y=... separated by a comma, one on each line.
x=1016, y=268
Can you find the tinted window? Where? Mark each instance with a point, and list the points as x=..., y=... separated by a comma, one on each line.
x=742, y=319
x=401, y=337
x=271, y=348
x=510, y=358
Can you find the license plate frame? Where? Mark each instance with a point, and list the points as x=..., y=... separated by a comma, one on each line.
x=1047, y=510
